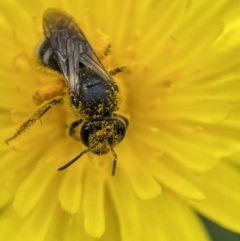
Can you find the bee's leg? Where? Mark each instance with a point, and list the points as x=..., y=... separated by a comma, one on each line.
x=49, y=92
x=41, y=110
x=119, y=69
x=74, y=130
x=106, y=52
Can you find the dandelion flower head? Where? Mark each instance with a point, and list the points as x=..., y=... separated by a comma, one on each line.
x=180, y=155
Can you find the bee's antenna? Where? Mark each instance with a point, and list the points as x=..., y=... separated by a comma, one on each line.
x=73, y=160
x=114, y=161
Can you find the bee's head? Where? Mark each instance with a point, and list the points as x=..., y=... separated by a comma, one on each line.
x=100, y=136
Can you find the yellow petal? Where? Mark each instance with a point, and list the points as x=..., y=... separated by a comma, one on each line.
x=222, y=187
x=172, y=179
x=194, y=158
x=28, y=195
x=70, y=191
x=185, y=222
x=93, y=203
x=136, y=171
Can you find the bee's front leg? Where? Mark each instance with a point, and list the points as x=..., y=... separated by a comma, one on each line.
x=74, y=130
x=37, y=114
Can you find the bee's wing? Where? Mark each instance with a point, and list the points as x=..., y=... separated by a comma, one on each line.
x=71, y=46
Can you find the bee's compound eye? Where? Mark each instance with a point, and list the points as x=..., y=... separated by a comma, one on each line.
x=118, y=131
x=85, y=132
x=47, y=57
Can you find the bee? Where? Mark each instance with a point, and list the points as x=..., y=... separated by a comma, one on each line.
x=92, y=93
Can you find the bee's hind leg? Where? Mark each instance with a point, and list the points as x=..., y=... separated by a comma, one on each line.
x=120, y=69
x=41, y=110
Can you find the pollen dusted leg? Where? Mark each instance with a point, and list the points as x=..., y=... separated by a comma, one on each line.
x=42, y=109
x=119, y=69
x=106, y=52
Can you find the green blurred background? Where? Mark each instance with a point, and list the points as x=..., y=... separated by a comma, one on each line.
x=218, y=233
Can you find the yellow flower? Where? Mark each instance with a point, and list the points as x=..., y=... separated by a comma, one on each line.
x=180, y=155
